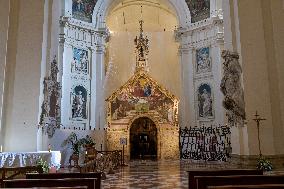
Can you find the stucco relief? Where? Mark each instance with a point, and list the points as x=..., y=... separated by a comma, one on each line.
x=50, y=112
x=231, y=87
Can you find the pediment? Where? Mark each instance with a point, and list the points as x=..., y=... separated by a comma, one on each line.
x=142, y=94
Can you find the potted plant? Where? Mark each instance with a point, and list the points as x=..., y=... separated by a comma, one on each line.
x=264, y=164
x=87, y=142
x=43, y=166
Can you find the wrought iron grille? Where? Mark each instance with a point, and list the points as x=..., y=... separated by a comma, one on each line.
x=211, y=143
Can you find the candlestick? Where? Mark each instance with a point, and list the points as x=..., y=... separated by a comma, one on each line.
x=49, y=148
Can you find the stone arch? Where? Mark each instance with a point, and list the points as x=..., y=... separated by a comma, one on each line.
x=143, y=138
x=155, y=120
x=104, y=7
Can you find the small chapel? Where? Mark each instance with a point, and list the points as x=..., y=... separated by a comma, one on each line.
x=141, y=94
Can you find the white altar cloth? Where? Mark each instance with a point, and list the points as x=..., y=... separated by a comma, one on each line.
x=23, y=159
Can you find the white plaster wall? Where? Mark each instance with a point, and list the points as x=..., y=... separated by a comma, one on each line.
x=24, y=73
x=4, y=23
x=163, y=60
x=256, y=74
x=277, y=14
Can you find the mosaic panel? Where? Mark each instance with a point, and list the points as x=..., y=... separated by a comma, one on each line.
x=203, y=60
x=80, y=62
x=83, y=9
x=199, y=9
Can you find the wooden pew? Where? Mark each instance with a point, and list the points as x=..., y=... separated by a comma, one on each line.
x=205, y=181
x=17, y=171
x=192, y=174
x=68, y=182
x=262, y=186
x=66, y=175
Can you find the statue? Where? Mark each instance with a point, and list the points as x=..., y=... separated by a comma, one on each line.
x=78, y=105
x=231, y=87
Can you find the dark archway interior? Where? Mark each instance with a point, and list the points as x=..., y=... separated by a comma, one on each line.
x=143, y=139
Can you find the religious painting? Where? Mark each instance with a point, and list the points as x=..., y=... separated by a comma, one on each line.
x=199, y=9
x=205, y=101
x=80, y=61
x=203, y=60
x=142, y=96
x=79, y=103
x=83, y=9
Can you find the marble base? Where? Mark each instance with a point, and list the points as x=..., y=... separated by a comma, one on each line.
x=249, y=161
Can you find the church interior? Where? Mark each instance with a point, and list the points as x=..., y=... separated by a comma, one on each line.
x=142, y=94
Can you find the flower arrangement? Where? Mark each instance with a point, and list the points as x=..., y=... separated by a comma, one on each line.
x=76, y=143
x=87, y=141
x=264, y=164
x=43, y=166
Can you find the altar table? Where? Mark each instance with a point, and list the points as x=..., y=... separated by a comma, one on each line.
x=23, y=159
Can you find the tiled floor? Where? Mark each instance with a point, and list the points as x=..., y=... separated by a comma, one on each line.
x=147, y=174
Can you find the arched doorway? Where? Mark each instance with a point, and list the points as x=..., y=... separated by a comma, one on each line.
x=143, y=139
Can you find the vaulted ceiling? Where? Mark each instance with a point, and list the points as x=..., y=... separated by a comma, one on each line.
x=158, y=15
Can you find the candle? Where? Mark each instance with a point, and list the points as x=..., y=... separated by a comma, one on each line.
x=1, y=149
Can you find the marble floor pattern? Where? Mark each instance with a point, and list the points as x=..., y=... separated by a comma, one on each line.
x=147, y=174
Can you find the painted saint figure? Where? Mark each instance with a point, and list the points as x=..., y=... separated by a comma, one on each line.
x=207, y=103
x=78, y=105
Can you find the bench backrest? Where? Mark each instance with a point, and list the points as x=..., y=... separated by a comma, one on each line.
x=69, y=182
x=191, y=174
x=204, y=181
x=262, y=186
x=66, y=175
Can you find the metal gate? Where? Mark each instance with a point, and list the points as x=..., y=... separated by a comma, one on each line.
x=211, y=143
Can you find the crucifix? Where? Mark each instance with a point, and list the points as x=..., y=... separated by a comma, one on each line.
x=257, y=119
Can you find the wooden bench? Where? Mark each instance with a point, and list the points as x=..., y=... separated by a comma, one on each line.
x=68, y=182
x=17, y=171
x=205, y=181
x=66, y=175
x=192, y=174
x=262, y=186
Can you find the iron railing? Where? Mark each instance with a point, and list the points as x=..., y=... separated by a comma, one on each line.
x=211, y=143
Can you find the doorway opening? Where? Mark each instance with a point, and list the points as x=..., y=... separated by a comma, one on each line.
x=143, y=139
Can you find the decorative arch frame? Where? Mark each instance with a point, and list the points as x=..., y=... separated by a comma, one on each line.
x=155, y=120
x=104, y=7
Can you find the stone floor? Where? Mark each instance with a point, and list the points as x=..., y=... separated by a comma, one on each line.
x=147, y=174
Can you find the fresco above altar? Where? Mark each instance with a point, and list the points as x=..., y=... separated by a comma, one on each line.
x=140, y=95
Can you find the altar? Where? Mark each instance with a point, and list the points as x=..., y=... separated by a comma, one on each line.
x=23, y=159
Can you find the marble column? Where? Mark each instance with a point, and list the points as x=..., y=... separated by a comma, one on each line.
x=187, y=112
